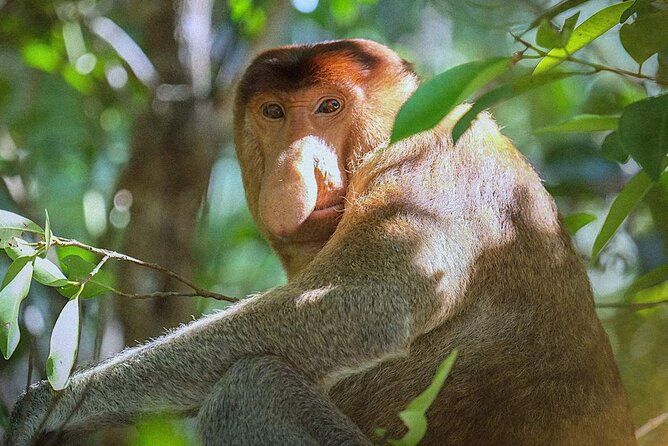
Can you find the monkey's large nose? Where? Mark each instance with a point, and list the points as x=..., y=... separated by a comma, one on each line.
x=304, y=177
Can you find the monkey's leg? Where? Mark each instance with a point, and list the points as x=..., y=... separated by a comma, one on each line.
x=262, y=400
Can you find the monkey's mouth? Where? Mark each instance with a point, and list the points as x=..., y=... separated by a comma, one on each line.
x=320, y=224
x=323, y=211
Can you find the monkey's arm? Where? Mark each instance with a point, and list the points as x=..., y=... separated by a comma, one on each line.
x=355, y=305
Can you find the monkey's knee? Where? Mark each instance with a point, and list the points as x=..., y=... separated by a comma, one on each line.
x=263, y=400
x=244, y=407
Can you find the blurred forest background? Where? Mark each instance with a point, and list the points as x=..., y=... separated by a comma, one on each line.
x=115, y=115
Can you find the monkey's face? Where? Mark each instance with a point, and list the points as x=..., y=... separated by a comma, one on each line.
x=305, y=142
x=303, y=114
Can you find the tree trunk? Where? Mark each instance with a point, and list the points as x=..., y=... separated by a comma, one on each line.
x=174, y=146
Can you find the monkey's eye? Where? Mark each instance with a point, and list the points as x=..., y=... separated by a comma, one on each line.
x=329, y=106
x=272, y=111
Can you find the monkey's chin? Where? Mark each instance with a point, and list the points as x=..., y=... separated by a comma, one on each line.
x=318, y=226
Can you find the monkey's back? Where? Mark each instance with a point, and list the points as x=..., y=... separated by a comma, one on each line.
x=534, y=364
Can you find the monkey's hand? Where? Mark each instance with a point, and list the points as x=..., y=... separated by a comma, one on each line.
x=29, y=415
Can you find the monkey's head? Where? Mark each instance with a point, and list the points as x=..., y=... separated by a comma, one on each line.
x=303, y=115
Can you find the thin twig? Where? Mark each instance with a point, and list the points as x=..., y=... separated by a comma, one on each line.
x=632, y=306
x=107, y=254
x=162, y=294
x=95, y=270
x=597, y=67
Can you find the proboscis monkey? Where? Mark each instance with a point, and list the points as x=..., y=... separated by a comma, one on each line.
x=395, y=256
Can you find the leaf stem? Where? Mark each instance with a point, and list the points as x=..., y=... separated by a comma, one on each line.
x=107, y=254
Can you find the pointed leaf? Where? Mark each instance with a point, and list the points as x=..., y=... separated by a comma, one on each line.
x=630, y=195
x=417, y=428
x=548, y=35
x=569, y=26
x=656, y=276
x=643, y=130
x=426, y=398
x=577, y=221
x=14, y=225
x=414, y=415
x=613, y=149
x=64, y=345
x=584, y=123
x=589, y=30
x=637, y=5
x=646, y=36
x=434, y=99
x=47, y=273
x=555, y=11
x=15, y=288
x=48, y=235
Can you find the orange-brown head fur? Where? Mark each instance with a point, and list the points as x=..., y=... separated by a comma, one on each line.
x=297, y=167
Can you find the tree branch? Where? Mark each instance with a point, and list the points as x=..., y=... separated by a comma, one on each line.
x=597, y=67
x=632, y=306
x=107, y=254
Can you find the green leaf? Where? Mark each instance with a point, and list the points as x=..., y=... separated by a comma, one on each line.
x=655, y=277
x=613, y=149
x=569, y=26
x=630, y=195
x=45, y=271
x=434, y=99
x=160, y=430
x=16, y=247
x=637, y=5
x=513, y=89
x=577, y=221
x=643, y=130
x=646, y=36
x=64, y=345
x=417, y=428
x=584, y=123
x=548, y=35
x=66, y=251
x=78, y=270
x=414, y=415
x=554, y=11
x=41, y=56
x=589, y=30
x=651, y=294
x=12, y=225
x=48, y=235
x=15, y=287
